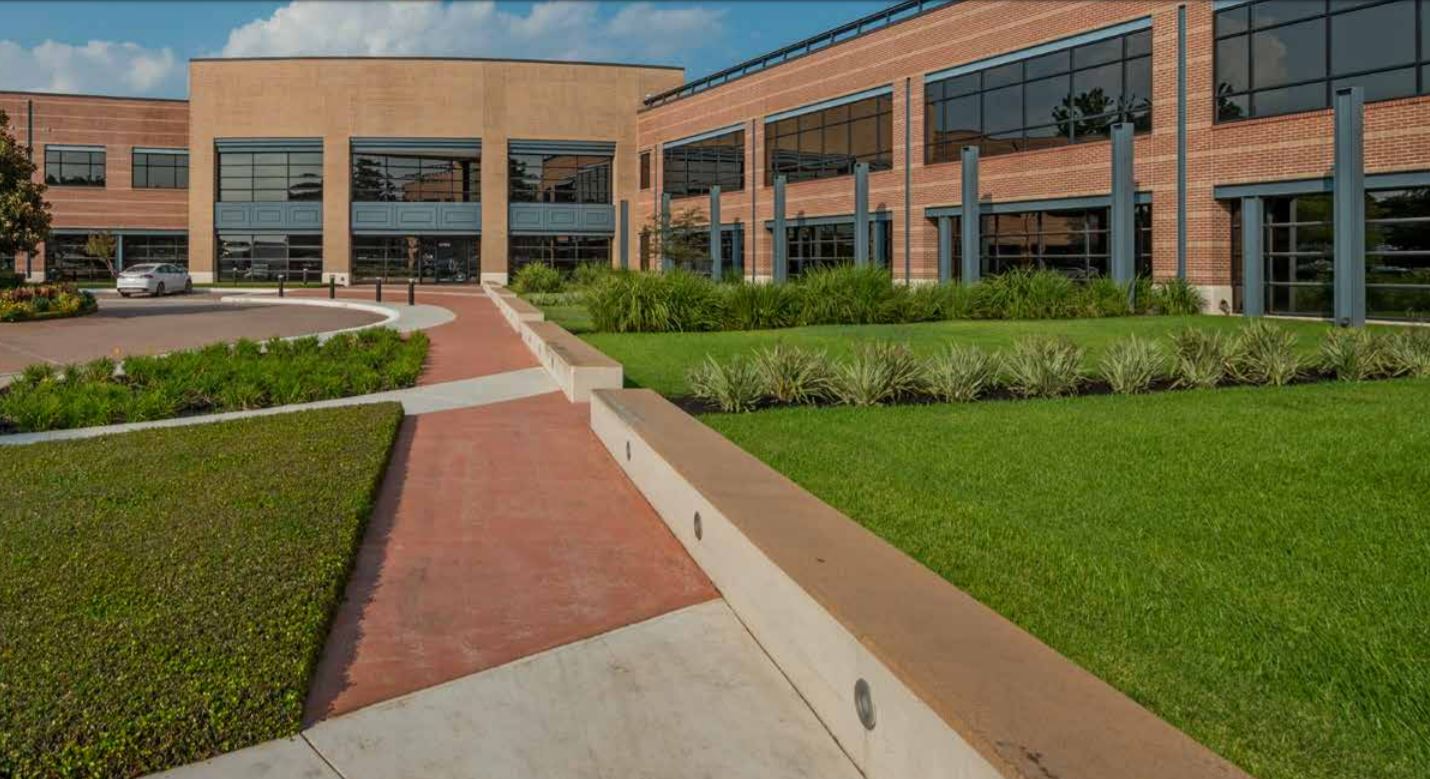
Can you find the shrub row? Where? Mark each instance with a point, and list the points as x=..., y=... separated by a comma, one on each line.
x=678, y=301
x=1046, y=366
x=215, y=378
x=537, y=278
x=44, y=301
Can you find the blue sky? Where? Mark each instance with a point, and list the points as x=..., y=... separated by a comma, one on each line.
x=140, y=48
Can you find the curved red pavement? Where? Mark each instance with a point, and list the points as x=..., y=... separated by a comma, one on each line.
x=500, y=531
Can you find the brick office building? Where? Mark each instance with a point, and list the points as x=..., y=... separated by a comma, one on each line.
x=1230, y=163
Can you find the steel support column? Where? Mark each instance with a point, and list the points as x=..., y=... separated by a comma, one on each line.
x=972, y=223
x=945, y=249
x=1121, y=222
x=1348, y=207
x=1253, y=263
x=625, y=234
x=780, y=268
x=717, y=261
x=119, y=252
x=861, y=213
x=665, y=263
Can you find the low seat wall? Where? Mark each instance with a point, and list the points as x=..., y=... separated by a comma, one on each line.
x=577, y=367
x=955, y=690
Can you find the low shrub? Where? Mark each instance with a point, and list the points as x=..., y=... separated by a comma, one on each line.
x=1103, y=297
x=1199, y=357
x=1175, y=297
x=1132, y=365
x=1043, y=367
x=1353, y=354
x=878, y=372
x=793, y=375
x=849, y=295
x=1027, y=294
x=674, y=301
x=537, y=277
x=961, y=373
x=44, y=301
x=9, y=280
x=1265, y=354
x=732, y=386
x=218, y=377
x=1407, y=353
x=750, y=306
x=589, y=274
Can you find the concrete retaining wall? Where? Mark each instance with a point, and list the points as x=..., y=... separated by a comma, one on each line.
x=955, y=689
x=577, y=367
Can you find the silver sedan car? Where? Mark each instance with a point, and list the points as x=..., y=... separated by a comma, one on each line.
x=154, y=279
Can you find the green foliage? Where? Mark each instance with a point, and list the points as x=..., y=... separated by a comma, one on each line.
x=1354, y=354
x=24, y=214
x=1408, y=353
x=1263, y=353
x=1104, y=297
x=848, y=295
x=45, y=301
x=761, y=306
x=1199, y=357
x=1175, y=297
x=165, y=594
x=1132, y=365
x=589, y=274
x=1043, y=367
x=215, y=378
x=793, y=375
x=732, y=386
x=961, y=373
x=1027, y=294
x=675, y=301
x=878, y=372
x=537, y=277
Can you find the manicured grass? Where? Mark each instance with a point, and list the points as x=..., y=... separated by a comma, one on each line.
x=165, y=594
x=1249, y=563
x=660, y=360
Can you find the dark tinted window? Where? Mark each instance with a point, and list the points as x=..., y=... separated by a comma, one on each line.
x=822, y=246
x=171, y=249
x=1048, y=100
x=1283, y=56
x=161, y=170
x=270, y=176
x=1074, y=242
x=263, y=257
x=645, y=170
x=417, y=178
x=563, y=252
x=693, y=168
x=826, y=143
x=427, y=258
x=74, y=167
x=559, y=178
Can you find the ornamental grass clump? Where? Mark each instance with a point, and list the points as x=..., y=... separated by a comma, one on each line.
x=1132, y=365
x=1265, y=354
x=733, y=386
x=878, y=372
x=1354, y=354
x=961, y=373
x=1407, y=353
x=674, y=301
x=536, y=277
x=1043, y=367
x=1199, y=358
x=1175, y=297
x=849, y=295
x=750, y=306
x=793, y=375
x=1027, y=294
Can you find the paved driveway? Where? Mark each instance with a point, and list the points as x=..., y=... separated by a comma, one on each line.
x=149, y=326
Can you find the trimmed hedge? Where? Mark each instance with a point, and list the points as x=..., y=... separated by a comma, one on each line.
x=165, y=594
x=215, y=378
x=679, y=301
x=24, y=303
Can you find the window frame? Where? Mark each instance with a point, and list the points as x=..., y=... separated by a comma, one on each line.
x=1419, y=64
x=598, y=169
x=805, y=124
x=310, y=255
x=290, y=179
x=142, y=160
x=645, y=177
x=466, y=187
x=721, y=176
x=551, y=251
x=90, y=164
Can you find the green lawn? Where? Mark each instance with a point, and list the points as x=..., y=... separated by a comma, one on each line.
x=165, y=594
x=660, y=360
x=1249, y=563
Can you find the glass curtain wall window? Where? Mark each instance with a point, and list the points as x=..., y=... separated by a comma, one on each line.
x=829, y=245
x=156, y=170
x=1074, y=242
x=416, y=178
x=560, y=178
x=1055, y=99
x=74, y=168
x=731, y=251
x=171, y=249
x=827, y=143
x=1283, y=56
x=693, y=168
x=270, y=176
x=427, y=258
x=66, y=259
x=563, y=252
x=262, y=257
x=1300, y=257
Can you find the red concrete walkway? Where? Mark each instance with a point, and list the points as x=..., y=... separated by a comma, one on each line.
x=500, y=531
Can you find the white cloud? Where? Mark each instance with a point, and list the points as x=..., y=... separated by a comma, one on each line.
x=103, y=67
x=639, y=32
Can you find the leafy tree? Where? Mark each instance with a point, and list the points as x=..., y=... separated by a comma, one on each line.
x=685, y=241
x=24, y=214
x=102, y=246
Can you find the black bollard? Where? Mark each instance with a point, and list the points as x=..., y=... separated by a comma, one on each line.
x=411, y=292
x=280, y=285
x=332, y=286
x=379, y=290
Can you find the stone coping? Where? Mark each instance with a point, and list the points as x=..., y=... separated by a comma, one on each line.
x=576, y=366
x=957, y=689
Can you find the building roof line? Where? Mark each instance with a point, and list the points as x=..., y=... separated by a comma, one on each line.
x=421, y=58
x=87, y=95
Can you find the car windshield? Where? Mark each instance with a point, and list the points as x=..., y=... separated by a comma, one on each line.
x=138, y=269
